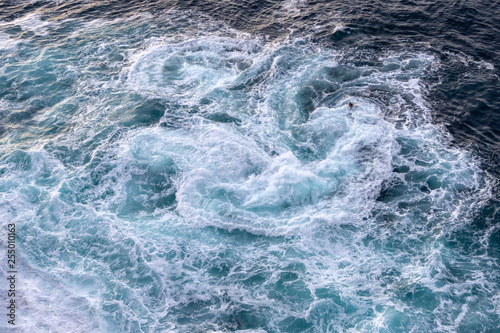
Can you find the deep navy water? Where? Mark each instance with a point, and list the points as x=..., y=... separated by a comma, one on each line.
x=195, y=166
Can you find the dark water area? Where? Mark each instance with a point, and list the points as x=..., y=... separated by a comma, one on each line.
x=194, y=166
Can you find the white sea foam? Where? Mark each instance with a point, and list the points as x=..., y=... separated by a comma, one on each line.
x=33, y=23
x=262, y=198
x=7, y=43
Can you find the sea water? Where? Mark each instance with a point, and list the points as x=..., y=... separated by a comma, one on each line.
x=168, y=173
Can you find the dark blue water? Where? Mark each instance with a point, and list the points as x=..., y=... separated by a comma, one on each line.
x=196, y=166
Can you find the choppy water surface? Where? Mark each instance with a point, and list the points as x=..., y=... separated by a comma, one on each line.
x=171, y=173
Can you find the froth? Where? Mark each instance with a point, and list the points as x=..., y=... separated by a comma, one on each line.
x=222, y=183
x=33, y=23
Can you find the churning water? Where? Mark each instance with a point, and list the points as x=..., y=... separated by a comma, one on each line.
x=169, y=173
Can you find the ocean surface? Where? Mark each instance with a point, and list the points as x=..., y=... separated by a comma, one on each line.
x=195, y=166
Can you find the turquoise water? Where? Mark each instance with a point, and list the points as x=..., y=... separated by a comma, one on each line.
x=171, y=174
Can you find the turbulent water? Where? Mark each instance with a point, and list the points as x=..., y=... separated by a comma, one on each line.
x=198, y=168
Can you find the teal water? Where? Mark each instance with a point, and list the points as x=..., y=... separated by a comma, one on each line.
x=170, y=174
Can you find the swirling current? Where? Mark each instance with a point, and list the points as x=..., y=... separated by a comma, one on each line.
x=254, y=167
